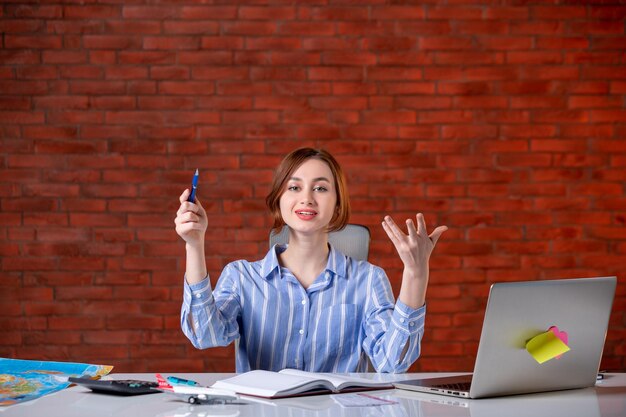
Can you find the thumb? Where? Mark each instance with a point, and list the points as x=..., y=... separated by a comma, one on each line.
x=184, y=196
x=436, y=234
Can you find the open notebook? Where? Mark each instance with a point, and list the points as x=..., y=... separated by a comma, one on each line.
x=293, y=382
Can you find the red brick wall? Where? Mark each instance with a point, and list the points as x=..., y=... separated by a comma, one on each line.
x=504, y=122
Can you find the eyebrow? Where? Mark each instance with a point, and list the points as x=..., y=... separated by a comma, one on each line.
x=314, y=179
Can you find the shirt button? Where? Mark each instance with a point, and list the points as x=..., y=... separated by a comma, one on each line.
x=301, y=331
x=198, y=295
x=303, y=302
x=412, y=324
x=402, y=320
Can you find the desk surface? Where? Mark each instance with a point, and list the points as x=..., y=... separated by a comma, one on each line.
x=607, y=399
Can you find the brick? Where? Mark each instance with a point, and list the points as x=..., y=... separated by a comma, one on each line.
x=406, y=58
x=534, y=57
x=597, y=28
x=444, y=116
x=111, y=337
x=255, y=58
x=332, y=73
x=605, y=116
x=267, y=13
x=20, y=57
x=82, y=71
x=75, y=117
x=505, y=43
x=612, y=42
x=456, y=58
x=32, y=42
x=307, y=28
x=64, y=57
x=287, y=74
x=147, y=57
x=111, y=42
x=556, y=145
x=273, y=43
x=537, y=102
x=445, y=43
x=171, y=43
x=28, y=11
x=67, y=102
x=558, y=12
x=592, y=58
x=37, y=73
x=397, y=117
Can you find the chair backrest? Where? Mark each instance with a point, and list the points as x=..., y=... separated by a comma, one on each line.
x=353, y=240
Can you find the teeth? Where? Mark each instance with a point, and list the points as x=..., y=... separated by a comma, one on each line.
x=306, y=212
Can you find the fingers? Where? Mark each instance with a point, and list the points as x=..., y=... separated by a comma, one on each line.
x=421, y=224
x=187, y=217
x=389, y=232
x=436, y=234
x=392, y=229
x=411, y=228
x=394, y=232
x=186, y=206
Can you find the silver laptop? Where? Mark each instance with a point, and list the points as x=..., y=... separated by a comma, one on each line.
x=519, y=311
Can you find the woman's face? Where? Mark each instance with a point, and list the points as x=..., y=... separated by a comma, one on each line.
x=310, y=199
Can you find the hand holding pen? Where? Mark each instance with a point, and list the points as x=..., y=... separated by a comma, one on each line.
x=191, y=220
x=191, y=224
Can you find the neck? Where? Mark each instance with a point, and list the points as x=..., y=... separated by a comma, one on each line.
x=306, y=256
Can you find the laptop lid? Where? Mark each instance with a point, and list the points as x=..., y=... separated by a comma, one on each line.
x=519, y=311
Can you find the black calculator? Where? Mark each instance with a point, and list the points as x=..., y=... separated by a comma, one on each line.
x=117, y=387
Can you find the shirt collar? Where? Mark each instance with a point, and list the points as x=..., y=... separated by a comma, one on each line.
x=337, y=264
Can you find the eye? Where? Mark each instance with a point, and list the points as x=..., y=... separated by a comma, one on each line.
x=320, y=188
x=293, y=188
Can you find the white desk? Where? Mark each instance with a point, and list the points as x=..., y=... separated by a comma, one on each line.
x=607, y=399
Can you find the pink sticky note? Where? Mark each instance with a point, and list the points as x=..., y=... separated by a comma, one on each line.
x=562, y=335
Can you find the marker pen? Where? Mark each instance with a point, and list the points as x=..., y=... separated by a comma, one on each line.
x=180, y=381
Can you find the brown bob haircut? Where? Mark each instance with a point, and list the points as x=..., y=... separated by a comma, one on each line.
x=285, y=170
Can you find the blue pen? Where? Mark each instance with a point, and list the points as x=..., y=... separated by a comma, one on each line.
x=180, y=381
x=194, y=185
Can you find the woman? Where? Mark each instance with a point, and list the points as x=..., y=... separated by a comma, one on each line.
x=306, y=305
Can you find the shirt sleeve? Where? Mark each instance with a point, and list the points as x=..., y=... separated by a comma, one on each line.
x=393, y=330
x=209, y=318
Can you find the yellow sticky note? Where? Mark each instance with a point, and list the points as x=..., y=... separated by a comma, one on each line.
x=546, y=346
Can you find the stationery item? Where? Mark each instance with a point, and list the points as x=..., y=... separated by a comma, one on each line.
x=117, y=387
x=517, y=311
x=196, y=394
x=548, y=345
x=293, y=382
x=24, y=380
x=181, y=381
x=194, y=186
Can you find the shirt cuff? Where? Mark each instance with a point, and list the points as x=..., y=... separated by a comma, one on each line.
x=407, y=319
x=199, y=293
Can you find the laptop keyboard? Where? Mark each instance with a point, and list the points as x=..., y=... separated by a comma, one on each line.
x=459, y=386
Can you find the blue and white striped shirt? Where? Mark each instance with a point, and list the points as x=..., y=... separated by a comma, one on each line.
x=345, y=316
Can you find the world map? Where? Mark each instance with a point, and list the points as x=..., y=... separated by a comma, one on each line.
x=24, y=380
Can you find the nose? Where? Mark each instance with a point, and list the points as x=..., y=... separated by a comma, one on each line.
x=307, y=199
